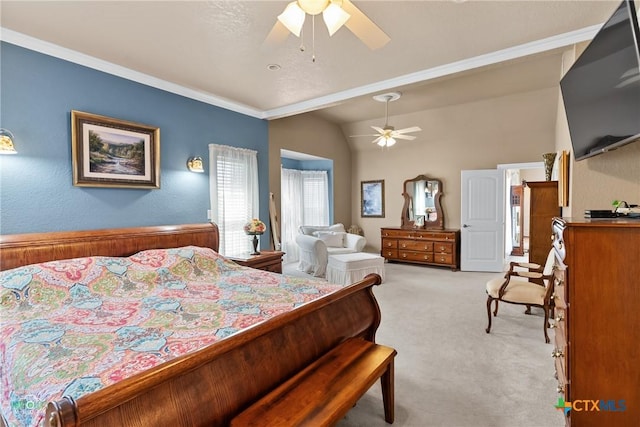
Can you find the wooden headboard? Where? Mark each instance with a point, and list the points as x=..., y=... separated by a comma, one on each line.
x=22, y=249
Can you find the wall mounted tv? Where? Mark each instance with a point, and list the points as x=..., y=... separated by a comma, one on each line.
x=601, y=91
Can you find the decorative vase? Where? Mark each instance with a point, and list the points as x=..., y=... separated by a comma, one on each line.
x=549, y=159
x=254, y=241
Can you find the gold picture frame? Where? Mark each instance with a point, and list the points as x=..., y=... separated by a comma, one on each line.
x=108, y=152
x=372, y=199
x=563, y=179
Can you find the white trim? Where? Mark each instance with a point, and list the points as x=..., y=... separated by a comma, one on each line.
x=529, y=165
x=531, y=48
x=519, y=51
x=75, y=57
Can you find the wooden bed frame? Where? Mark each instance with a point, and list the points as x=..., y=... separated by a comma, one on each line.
x=210, y=386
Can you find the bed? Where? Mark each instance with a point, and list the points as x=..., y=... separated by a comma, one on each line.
x=207, y=385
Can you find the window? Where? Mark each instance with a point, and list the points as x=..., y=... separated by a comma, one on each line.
x=233, y=194
x=305, y=201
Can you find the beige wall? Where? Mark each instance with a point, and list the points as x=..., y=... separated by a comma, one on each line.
x=511, y=129
x=516, y=128
x=597, y=181
x=308, y=134
x=480, y=135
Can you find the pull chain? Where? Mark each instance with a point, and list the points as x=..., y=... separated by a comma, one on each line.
x=313, y=38
x=302, y=40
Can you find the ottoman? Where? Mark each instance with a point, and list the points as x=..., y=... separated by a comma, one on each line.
x=349, y=268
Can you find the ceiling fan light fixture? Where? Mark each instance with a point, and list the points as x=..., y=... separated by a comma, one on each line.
x=313, y=7
x=334, y=18
x=293, y=18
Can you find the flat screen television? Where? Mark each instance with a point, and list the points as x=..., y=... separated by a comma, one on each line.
x=601, y=91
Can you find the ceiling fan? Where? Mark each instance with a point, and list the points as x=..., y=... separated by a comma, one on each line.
x=335, y=14
x=386, y=136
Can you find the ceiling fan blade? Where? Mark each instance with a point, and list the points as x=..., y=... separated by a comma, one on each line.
x=407, y=130
x=372, y=134
x=409, y=137
x=377, y=129
x=364, y=28
x=375, y=141
x=276, y=36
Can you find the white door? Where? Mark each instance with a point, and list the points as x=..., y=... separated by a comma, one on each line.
x=482, y=217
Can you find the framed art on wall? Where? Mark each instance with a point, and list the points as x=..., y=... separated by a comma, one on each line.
x=108, y=152
x=372, y=199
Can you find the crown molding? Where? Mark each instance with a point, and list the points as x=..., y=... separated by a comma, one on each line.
x=75, y=57
x=537, y=46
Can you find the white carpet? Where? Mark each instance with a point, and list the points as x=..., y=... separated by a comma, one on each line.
x=449, y=371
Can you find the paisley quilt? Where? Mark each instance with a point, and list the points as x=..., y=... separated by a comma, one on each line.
x=71, y=327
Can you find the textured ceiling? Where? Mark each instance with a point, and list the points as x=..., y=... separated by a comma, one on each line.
x=214, y=49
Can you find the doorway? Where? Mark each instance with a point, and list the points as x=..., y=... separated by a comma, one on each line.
x=517, y=233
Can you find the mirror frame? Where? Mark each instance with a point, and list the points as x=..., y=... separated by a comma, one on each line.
x=406, y=222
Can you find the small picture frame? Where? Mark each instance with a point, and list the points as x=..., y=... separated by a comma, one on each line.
x=372, y=199
x=108, y=152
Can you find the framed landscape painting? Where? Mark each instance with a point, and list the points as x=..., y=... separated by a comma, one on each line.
x=109, y=152
x=372, y=199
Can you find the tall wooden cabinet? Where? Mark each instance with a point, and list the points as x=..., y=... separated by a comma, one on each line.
x=543, y=207
x=597, y=320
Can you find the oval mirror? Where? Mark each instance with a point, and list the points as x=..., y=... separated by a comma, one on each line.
x=422, y=208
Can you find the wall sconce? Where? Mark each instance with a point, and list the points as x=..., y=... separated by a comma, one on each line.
x=6, y=142
x=195, y=164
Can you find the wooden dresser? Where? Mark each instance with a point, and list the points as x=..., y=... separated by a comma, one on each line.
x=429, y=247
x=543, y=206
x=597, y=320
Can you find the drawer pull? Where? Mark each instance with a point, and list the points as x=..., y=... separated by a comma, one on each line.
x=557, y=353
x=560, y=318
x=553, y=325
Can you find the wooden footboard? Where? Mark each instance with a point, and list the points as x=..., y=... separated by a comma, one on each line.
x=210, y=386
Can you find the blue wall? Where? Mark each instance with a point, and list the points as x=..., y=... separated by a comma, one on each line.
x=37, y=95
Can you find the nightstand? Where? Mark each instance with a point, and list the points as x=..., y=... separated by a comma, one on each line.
x=267, y=260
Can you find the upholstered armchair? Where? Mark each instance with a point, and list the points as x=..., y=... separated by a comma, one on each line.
x=316, y=243
x=527, y=284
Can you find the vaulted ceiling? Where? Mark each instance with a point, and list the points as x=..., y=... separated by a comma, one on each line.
x=213, y=50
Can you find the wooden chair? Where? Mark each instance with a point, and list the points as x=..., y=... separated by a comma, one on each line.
x=526, y=284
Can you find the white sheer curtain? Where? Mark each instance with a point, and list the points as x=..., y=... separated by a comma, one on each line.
x=305, y=201
x=233, y=187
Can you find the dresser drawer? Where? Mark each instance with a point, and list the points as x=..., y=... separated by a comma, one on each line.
x=559, y=295
x=444, y=236
x=415, y=245
x=444, y=248
x=395, y=233
x=389, y=243
x=415, y=256
x=389, y=253
x=439, y=258
x=560, y=376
